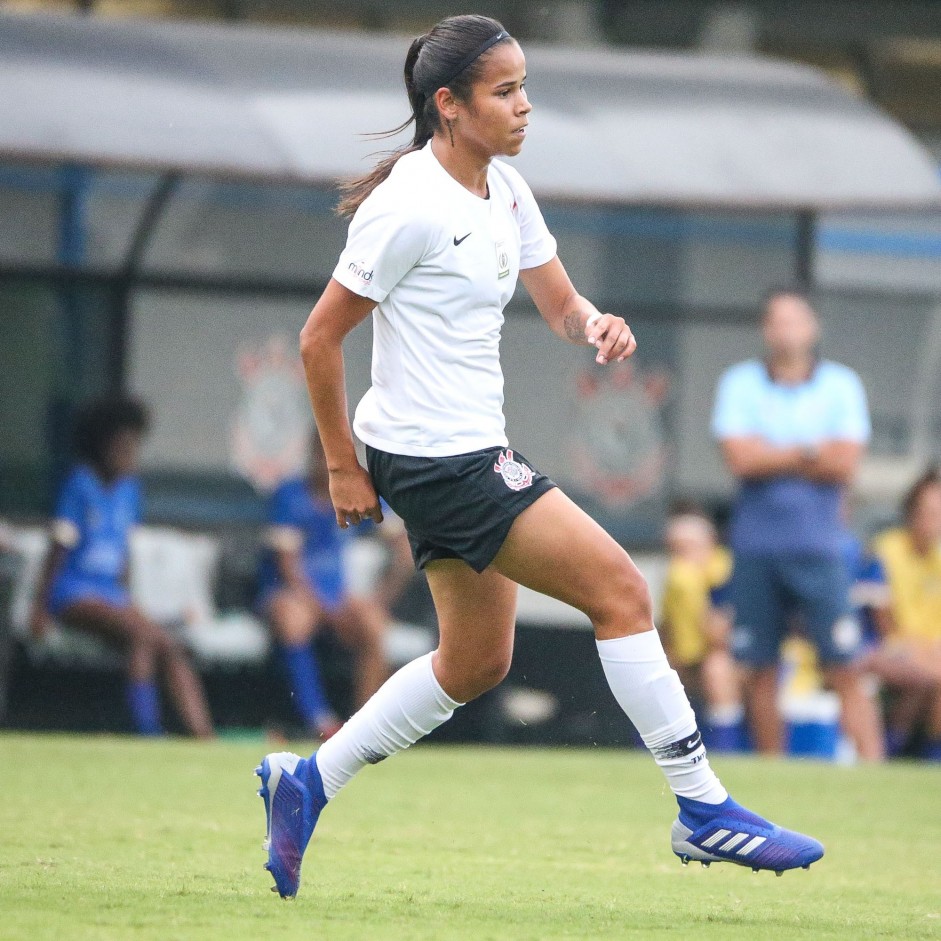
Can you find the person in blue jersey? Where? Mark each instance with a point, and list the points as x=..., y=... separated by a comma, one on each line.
x=440, y=232
x=84, y=577
x=792, y=428
x=304, y=587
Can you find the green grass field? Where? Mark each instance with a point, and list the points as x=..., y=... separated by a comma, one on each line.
x=118, y=838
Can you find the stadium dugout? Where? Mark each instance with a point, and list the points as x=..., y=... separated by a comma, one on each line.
x=167, y=184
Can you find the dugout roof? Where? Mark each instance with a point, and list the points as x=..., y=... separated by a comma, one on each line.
x=280, y=105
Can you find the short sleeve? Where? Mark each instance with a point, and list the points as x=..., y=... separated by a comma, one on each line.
x=383, y=245
x=732, y=412
x=70, y=511
x=537, y=244
x=850, y=417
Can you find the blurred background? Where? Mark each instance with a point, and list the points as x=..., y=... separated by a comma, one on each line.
x=167, y=181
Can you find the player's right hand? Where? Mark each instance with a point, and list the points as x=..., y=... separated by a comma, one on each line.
x=354, y=497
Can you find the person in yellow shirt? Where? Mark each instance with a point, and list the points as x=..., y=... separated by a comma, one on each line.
x=696, y=624
x=911, y=558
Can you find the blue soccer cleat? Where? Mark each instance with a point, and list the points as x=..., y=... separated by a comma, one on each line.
x=728, y=833
x=294, y=797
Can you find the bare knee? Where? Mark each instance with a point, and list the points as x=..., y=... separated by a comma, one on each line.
x=846, y=679
x=466, y=681
x=621, y=603
x=293, y=618
x=363, y=626
x=147, y=641
x=762, y=679
x=167, y=648
x=150, y=640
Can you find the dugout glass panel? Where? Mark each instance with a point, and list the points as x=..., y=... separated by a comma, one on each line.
x=29, y=208
x=673, y=258
x=54, y=354
x=244, y=232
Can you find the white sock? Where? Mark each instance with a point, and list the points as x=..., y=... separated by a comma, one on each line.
x=651, y=694
x=409, y=705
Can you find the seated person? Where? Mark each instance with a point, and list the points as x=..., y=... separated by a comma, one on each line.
x=908, y=659
x=303, y=587
x=696, y=624
x=84, y=577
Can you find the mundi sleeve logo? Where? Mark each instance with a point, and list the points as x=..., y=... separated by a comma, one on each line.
x=515, y=474
x=359, y=269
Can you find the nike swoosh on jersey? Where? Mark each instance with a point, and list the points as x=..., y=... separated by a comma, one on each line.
x=457, y=241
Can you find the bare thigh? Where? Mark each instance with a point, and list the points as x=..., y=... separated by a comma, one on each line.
x=557, y=549
x=898, y=668
x=476, y=621
x=124, y=626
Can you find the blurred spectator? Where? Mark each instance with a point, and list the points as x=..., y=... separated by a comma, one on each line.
x=696, y=624
x=908, y=659
x=84, y=577
x=304, y=587
x=793, y=428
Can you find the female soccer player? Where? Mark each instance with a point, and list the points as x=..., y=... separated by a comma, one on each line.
x=440, y=232
x=83, y=581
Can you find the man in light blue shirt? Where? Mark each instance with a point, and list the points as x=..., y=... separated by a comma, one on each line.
x=792, y=429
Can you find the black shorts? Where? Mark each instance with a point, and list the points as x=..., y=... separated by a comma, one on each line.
x=457, y=507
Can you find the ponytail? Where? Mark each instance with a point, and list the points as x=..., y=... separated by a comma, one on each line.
x=353, y=192
x=452, y=54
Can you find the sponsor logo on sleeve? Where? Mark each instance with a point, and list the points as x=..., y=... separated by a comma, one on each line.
x=359, y=269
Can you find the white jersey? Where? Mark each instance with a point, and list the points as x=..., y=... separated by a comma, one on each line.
x=442, y=264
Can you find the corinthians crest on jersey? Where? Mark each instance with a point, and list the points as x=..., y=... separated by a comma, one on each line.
x=515, y=474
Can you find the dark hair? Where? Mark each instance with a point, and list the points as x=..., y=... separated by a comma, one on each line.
x=101, y=420
x=930, y=478
x=684, y=506
x=450, y=55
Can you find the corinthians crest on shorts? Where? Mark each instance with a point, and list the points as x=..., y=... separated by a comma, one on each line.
x=515, y=474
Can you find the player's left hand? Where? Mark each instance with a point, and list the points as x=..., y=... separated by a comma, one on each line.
x=611, y=337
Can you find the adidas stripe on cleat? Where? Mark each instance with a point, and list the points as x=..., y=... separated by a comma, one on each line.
x=709, y=833
x=294, y=797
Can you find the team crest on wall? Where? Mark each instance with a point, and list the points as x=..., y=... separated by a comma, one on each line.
x=271, y=424
x=617, y=439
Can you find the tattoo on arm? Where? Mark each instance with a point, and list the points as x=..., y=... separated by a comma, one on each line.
x=575, y=326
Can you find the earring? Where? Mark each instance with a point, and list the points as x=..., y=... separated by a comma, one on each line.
x=450, y=132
